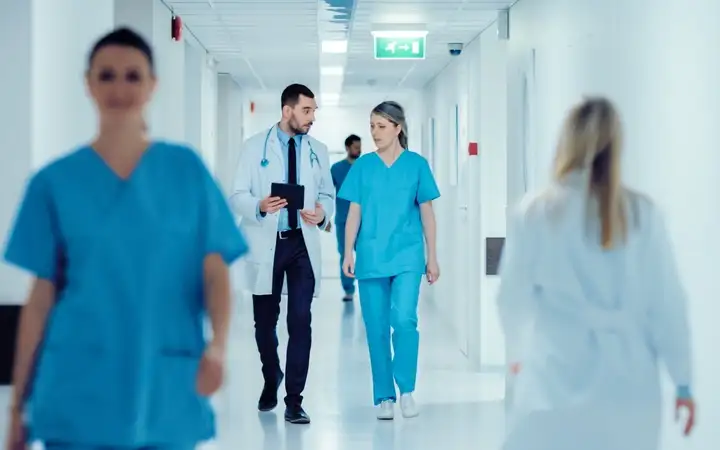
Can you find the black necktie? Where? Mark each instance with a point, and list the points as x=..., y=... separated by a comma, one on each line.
x=292, y=179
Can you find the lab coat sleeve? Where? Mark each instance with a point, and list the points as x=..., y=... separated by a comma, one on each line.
x=326, y=190
x=34, y=242
x=219, y=232
x=669, y=315
x=515, y=294
x=242, y=200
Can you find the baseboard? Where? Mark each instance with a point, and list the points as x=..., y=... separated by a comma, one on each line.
x=9, y=320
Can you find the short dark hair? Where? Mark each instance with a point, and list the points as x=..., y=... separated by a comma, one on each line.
x=350, y=139
x=123, y=37
x=291, y=95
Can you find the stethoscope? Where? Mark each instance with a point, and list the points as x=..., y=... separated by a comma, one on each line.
x=264, y=162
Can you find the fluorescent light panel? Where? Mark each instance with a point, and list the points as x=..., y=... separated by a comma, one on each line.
x=332, y=70
x=330, y=97
x=334, y=46
x=399, y=34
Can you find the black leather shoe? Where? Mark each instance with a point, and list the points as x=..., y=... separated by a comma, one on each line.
x=269, y=396
x=296, y=414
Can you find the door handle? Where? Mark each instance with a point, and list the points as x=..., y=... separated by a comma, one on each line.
x=463, y=207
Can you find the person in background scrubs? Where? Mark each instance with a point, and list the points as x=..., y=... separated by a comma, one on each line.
x=590, y=302
x=129, y=242
x=339, y=171
x=390, y=194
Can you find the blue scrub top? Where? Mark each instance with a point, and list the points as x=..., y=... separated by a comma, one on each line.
x=339, y=171
x=390, y=240
x=123, y=342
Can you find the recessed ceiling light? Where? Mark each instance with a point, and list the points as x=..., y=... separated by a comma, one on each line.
x=332, y=70
x=329, y=96
x=399, y=34
x=334, y=46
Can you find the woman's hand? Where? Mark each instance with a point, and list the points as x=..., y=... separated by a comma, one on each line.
x=16, y=433
x=432, y=271
x=349, y=266
x=689, y=405
x=211, y=373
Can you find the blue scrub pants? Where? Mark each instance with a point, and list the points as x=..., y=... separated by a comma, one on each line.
x=348, y=284
x=391, y=303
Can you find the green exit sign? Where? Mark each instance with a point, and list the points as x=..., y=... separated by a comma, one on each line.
x=388, y=46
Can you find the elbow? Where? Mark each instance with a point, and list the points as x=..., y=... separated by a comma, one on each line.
x=427, y=214
x=215, y=271
x=41, y=298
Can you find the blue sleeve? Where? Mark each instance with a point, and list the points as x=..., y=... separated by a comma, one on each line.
x=34, y=241
x=221, y=234
x=683, y=392
x=334, y=177
x=351, y=188
x=427, y=187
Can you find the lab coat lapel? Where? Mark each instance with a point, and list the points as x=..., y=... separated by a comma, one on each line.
x=307, y=173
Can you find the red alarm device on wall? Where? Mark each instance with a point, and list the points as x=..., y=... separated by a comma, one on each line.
x=176, y=28
x=472, y=149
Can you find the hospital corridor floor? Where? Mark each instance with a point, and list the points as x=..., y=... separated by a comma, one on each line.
x=460, y=409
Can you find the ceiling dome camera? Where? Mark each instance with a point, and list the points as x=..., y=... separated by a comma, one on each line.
x=455, y=49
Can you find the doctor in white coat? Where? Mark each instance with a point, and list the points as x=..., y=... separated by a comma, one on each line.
x=284, y=244
x=590, y=302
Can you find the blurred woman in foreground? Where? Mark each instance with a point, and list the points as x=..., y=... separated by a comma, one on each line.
x=590, y=301
x=129, y=242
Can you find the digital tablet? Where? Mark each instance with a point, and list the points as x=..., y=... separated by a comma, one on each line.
x=294, y=194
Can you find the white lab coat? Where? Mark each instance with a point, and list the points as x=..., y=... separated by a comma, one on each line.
x=252, y=183
x=589, y=326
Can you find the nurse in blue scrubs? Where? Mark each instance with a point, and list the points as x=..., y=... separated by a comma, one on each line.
x=129, y=242
x=391, y=224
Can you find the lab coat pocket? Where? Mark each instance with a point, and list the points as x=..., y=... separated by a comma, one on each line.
x=182, y=413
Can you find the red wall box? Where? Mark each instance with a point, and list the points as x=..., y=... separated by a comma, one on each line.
x=473, y=148
x=176, y=28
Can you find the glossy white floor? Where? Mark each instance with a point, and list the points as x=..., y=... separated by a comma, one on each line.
x=459, y=409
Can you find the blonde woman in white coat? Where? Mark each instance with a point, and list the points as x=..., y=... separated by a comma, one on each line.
x=590, y=303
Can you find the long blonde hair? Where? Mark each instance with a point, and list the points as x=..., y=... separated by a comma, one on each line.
x=592, y=140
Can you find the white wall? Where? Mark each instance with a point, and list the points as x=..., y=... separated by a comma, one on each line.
x=15, y=130
x=209, y=107
x=230, y=130
x=473, y=202
x=62, y=34
x=194, y=57
x=168, y=109
x=660, y=63
x=44, y=108
x=185, y=105
x=201, y=96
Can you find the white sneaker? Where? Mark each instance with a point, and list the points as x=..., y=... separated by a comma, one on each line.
x=408, y=406
x=386, y=410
